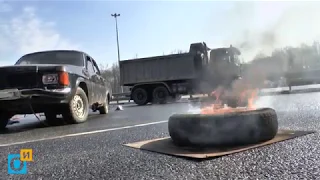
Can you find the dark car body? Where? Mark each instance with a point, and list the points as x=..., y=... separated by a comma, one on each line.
x=41, y=81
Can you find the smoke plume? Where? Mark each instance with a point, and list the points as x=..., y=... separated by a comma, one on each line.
x=260, y=27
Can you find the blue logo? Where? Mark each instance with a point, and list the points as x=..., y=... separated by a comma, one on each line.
x=15, y=165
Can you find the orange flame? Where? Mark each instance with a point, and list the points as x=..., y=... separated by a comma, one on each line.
x=219, y=108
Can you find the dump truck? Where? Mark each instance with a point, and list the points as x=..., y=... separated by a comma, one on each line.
x=301, y=74
x=199, y=71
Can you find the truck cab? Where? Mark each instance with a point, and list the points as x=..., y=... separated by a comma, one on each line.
x=219, y=66
x=218, y=60
x=225, y=61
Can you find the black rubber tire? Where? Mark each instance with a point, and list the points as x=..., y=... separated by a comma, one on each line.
x=144, y=96
x=104, y=109
x=238, y=128
x=177, y=97
x=4, y=119
x=70, y=116
x=163, y=99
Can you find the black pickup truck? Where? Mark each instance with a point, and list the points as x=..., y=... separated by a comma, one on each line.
x=55, y=82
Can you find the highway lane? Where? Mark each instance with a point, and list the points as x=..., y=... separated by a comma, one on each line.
x=131, y=115
x=102, y=156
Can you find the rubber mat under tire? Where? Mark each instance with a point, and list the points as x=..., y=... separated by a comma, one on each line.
x=231, y=129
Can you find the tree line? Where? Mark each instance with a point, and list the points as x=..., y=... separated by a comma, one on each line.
x=305, y=56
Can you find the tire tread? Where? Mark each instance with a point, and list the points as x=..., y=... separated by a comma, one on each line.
x=239, y=128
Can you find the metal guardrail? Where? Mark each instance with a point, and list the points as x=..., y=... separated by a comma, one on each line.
x=125, y=97
x=120, y=97
x=117, y=97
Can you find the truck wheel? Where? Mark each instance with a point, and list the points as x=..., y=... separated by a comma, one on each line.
x=140, y=96
x=104, y=109
x=160, y=94
x=4, y=119
x=237, y=128
x=177, y=97
x=78, y=108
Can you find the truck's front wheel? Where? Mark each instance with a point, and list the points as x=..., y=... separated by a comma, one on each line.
x=140, y=96
x=77, y=109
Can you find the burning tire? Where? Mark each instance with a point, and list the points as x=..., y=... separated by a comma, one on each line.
x=233, y=128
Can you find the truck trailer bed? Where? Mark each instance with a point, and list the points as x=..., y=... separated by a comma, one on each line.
x=158, y=68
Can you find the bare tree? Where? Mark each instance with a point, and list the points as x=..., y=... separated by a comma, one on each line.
x=178, y=51
x=304, y=56
x=112, y=76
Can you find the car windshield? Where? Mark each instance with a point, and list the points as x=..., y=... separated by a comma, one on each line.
x=220, y=55
x=52, y=57
x=235, y=59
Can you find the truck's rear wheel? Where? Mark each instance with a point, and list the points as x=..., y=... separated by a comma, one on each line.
x=177, y=97
x=160, y=94
x=78, y=108
x=140, y=96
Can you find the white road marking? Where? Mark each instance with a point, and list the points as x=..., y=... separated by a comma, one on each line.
x=83, y=133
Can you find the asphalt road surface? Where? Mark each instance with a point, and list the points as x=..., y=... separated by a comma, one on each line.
x=94, y=150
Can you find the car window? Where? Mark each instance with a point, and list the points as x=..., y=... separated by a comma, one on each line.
x=96, y=69
x=89, y=66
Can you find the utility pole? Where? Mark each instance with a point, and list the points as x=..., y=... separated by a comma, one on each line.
x=115, y=15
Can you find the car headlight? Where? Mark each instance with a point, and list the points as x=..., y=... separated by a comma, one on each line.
x=50, y=79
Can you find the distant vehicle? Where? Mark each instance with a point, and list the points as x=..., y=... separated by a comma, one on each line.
x=159, y=78
x=301, y=75
x=53, y=82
